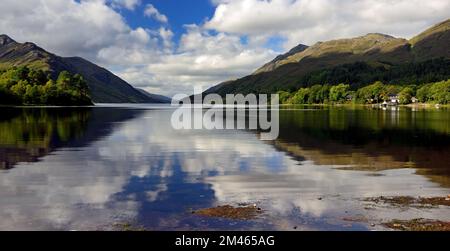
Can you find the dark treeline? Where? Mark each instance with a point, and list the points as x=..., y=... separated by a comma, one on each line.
x=360, y=74
x=25, y=86
x=415, y=81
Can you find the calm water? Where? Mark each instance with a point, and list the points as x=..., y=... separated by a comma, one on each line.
x=90, y=168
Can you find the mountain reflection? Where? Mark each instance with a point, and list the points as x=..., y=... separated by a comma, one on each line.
x=370, y=140
x=101, y=166
x=27, y=134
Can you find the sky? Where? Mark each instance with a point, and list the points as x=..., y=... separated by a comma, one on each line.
x=169, y=46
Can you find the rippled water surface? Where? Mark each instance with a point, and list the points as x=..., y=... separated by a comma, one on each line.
x=91, y=168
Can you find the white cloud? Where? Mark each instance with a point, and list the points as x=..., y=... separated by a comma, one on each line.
x=166, y=36
x=309, y=21
x=210, y=52
x=151, y=11
x=128, y=4
x=145, y=58
x=90, y=28
x=202, y=59
x=69, y=28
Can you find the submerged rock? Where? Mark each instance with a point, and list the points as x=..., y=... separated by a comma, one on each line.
x=418, y=225
x=128, y=227
x=230, y=212
x=411, y=201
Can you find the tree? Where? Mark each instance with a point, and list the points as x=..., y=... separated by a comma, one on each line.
x=64, y=80
x=371, y=93
x=21, y=73
x=440, y=92
x=339, y=92
x=284, y=97
x=301, y=96
x=324, y=94
x=81, y=85
x=32, y=95
x=377, y=90
x=405, y=95
x=386, y=91
x=423, y=94
x=37, y=77
x=27, y=86
x=49, y=93
x=315, y=94
x=20, y=88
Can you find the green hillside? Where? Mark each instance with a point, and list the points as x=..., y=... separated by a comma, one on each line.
x=358, y=62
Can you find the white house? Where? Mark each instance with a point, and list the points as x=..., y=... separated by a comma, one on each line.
x=393, y=98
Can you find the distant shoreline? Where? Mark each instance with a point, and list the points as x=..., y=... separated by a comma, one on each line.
x=417, y=105
x=46, y=106
x=102, y=105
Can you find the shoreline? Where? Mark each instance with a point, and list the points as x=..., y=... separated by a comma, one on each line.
x=417, y=105
x=46, y=106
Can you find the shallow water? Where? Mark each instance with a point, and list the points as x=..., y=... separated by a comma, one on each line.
x=91, y=168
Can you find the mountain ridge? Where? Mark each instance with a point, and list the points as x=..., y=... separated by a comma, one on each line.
x=105, y=86
x=161, y=98
x=374, y=49
x=272, y=64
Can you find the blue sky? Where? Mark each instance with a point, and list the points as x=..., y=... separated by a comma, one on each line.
x=171, y=46
x=178, y=12
x=182, y=12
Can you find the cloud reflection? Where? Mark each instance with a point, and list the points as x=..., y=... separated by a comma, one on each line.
x=145, y=171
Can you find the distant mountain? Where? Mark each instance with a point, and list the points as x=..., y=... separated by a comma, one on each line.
x=105, y=86
x=156, y=97
x=371, y=57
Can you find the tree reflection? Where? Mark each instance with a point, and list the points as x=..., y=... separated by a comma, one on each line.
x=370, y=140
x=27, y=134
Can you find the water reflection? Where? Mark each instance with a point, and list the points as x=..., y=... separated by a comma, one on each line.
x=129, y=165
x=27, y=134
x=370, y=139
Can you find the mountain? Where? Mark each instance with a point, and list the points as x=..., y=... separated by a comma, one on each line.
x=105, y=86
x=355, y=61
x=272, y=65
x=433, y=42
x=156, y=97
